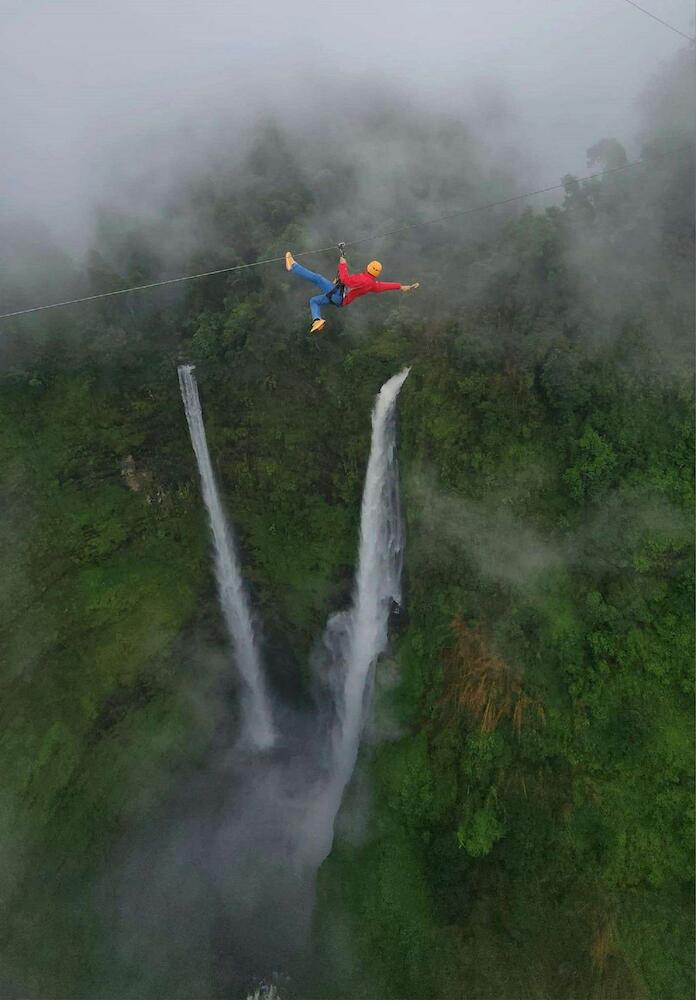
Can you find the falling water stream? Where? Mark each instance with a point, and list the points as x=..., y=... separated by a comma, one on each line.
x=378, y=577
x=354, y=639
x=258, y=724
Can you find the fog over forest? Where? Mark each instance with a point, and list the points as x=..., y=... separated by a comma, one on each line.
x=441, y=548
x=95, y=92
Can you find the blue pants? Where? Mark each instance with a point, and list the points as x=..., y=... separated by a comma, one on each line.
x=317, y=301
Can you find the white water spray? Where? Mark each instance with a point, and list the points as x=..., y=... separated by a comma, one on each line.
x=257, y=714
x=356, y=638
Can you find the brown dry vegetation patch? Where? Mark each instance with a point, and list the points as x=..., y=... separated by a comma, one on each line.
x=481, y=684
x=602, y=943
x=135, y=478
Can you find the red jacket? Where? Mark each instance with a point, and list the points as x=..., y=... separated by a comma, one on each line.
x=361, y=284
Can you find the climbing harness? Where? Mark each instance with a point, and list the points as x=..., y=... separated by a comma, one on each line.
x=339, y=288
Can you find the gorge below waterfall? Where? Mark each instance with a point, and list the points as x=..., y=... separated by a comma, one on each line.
x=236, y=872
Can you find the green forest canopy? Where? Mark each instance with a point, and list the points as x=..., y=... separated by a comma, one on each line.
x=530, y=826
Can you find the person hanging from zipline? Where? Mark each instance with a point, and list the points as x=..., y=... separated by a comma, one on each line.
x=345, y=289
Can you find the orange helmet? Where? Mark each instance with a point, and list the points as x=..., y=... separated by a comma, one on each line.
x=374, y=268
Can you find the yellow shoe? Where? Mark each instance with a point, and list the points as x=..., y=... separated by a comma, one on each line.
x=289, y=261
x=318, y=325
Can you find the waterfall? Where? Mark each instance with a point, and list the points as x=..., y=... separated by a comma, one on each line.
x=377, y=580
x=233, y=864
x=354, y=639
x=258, y=725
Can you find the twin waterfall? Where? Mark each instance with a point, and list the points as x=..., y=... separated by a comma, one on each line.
x=258, y=724
x=353, y=639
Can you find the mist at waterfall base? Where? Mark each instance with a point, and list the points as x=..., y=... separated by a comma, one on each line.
x=217, y=896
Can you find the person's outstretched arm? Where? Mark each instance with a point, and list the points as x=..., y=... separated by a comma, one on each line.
x=379, y=286
x=393, y=286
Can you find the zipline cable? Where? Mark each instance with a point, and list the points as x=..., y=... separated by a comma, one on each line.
x=505, y=201
x=689, y=38
x=158, y=284
x=332, y=248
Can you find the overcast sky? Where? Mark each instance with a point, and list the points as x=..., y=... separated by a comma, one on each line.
x=80, y=78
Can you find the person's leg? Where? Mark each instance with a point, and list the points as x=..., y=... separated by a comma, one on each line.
x=318, y=279
x=316, y=303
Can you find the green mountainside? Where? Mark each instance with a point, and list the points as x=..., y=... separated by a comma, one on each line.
x=521, y=825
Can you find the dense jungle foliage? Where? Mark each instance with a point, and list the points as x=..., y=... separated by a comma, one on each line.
x=525, y=792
